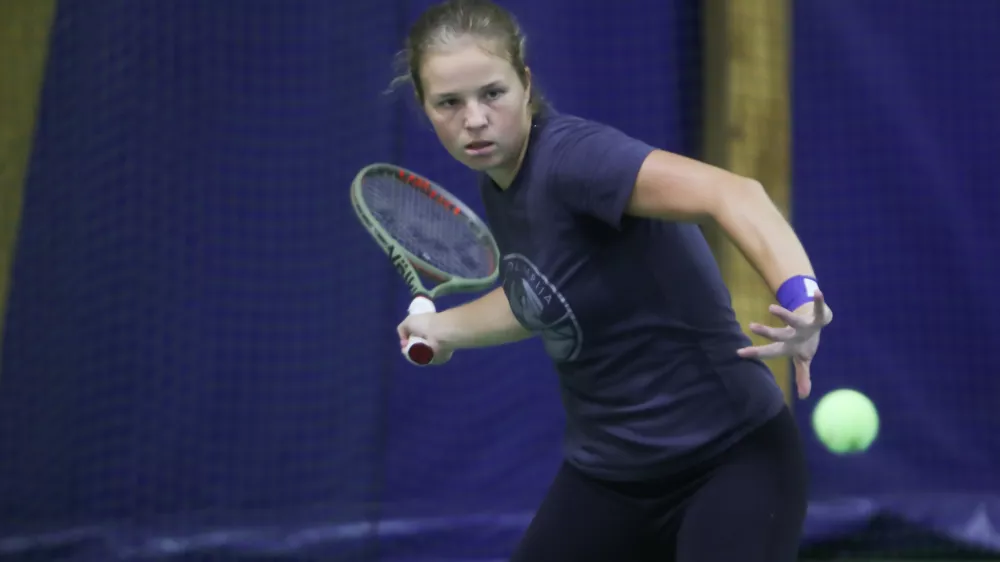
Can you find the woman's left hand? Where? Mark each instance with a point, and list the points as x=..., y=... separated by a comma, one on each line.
x=798, y=340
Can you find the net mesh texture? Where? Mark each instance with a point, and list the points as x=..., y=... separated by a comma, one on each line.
x=199, y=352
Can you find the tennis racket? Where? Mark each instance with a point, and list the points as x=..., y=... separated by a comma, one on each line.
x=425, y=230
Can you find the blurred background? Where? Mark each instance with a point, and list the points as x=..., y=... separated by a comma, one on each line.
x=199, y=359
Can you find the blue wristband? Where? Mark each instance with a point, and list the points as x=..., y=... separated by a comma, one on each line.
x=797, y=291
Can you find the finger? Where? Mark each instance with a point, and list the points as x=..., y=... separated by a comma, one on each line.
x=793, y=320
x=820, y=312
x=818, y=299
x=763, y=351
x=803, y=379
x=774, y=334
x=404, y=331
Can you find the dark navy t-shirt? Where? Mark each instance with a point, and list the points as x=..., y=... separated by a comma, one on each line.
x=633, y=312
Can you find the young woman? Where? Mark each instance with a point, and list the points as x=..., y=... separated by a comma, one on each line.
x=679, y=445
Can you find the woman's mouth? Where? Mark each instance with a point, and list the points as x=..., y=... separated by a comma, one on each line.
x=479, y=148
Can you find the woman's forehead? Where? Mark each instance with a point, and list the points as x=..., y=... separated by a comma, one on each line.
x=462, y=67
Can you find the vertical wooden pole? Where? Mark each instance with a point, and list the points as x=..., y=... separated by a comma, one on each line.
x=24, y=40
x=747, y=128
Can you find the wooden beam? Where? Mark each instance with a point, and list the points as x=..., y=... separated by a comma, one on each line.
x=747, y=129
x=24, y=40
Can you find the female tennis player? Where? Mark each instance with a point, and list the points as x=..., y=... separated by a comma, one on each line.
x=679, y=445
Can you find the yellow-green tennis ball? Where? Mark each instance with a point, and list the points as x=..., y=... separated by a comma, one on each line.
x=845, y=421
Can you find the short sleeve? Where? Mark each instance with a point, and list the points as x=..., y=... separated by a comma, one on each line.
x=594, y=168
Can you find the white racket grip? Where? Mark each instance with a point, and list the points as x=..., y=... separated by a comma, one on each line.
x=417, y=350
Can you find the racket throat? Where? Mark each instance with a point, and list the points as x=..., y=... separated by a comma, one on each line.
x=399, y=261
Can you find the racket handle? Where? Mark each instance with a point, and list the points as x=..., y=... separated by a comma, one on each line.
x=417, y=350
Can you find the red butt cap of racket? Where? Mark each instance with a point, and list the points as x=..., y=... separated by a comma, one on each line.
x=417, y=350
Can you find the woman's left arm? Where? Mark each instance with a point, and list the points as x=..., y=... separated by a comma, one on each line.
x=674, y=187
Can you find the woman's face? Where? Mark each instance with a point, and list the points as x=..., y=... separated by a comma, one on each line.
x=478, y=106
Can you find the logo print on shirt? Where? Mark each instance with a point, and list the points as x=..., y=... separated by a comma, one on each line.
x=539, y=307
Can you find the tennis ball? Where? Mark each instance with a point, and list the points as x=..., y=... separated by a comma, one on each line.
x=845, y=421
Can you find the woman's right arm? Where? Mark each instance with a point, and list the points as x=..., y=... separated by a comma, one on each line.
x=484, y=322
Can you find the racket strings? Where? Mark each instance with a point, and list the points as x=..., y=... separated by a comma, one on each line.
x=427, y=229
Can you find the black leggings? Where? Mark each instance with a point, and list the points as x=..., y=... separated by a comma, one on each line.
x=746, y=505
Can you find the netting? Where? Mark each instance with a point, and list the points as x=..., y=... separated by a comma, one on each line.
x=199, y=355
x=891, y=111
x=186, y=367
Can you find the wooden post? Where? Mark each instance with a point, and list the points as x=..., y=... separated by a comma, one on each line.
x=747, y=129
x=24, y=40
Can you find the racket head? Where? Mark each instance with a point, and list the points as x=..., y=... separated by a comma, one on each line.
x=425, y=229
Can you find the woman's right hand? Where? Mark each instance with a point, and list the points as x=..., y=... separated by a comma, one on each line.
x=425, y=326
